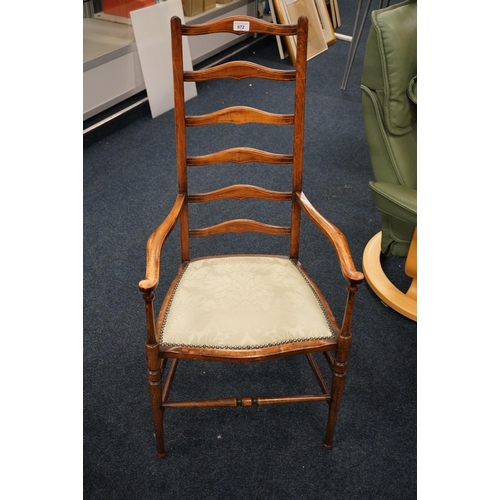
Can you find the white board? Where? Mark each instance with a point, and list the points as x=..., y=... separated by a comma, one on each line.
x=152, y=35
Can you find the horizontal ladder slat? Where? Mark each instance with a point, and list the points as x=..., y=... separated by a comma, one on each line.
x=246, y=401
x=240, y=192
x=240, y=226
x=239, y=70
x=239, y=155
x=239, y=115
x=226, y=25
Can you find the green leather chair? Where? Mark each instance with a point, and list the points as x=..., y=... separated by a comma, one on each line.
x=389, y=103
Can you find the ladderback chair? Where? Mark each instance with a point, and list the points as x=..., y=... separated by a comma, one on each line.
x=389, y=104
x=250, y=307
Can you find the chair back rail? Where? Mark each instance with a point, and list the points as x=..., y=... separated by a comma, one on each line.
x=240, y=226
x=239, y=155
x=240, y=192
x=240, y=114
x=238, y=70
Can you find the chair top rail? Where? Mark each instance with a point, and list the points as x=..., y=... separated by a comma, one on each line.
x=239, y=25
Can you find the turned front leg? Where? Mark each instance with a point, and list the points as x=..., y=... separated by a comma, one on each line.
x=339, y=368
x=154, y=382
x=153, y=363
x=338, y=380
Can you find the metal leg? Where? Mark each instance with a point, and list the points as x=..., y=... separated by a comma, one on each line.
x=356, y=36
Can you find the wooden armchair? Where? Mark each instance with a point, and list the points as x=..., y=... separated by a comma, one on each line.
x=243, y=308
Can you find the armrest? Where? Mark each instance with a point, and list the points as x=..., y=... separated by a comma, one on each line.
x=155, y=244
x=395, y=200
x=335, y=236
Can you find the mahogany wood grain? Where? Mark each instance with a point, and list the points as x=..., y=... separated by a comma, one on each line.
x=163, y=364
x=168, y=297
x=148, y=297
x=298, y=134
x=226, y=25
x=239, y=115
x=184, y=232
x=169, y=380
x=340, y=367
x=203, y=403
x=335, y=236
x=265, y=400
x=338, y=382
x=240, y=226
x=248, y=355
x=330, y=359
x=295, y=229
x=299, y=109
x=240, y=192
x=154, y=383
x=233, y=402
x=317, y=373
x=180, y=131
x=239, y=155
x=321, y=297
x=179, y=106
x=155, y=245
x=239, y=70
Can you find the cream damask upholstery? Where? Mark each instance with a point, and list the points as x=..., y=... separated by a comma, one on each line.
x=243, y=302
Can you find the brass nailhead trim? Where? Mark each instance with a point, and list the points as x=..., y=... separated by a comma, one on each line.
x=250, y=347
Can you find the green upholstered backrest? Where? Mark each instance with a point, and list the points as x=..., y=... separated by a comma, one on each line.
x=389, y=86
x=391, y=63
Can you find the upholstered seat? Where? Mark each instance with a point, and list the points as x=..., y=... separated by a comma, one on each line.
x=243, y=302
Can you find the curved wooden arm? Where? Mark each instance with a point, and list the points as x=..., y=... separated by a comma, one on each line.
x=155, y=244
x=335, y=236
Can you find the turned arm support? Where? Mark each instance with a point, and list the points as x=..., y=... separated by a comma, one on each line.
x=155, y=245
x=336, y=238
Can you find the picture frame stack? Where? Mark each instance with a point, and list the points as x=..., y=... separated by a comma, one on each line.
x=321, y=31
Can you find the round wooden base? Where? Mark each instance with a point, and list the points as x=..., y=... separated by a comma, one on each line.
x=403, y=303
